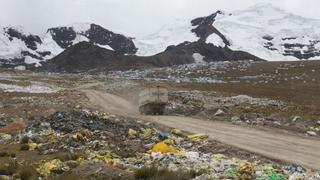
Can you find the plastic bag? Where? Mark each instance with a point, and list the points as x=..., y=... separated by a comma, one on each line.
x=163, y=148
x=132, y=133
x=197, y=137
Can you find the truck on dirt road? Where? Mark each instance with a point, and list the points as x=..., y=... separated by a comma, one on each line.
x=152, y=100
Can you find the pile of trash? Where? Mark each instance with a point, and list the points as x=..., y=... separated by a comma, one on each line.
x=218, y=72
x=119, y=144
x=196, y=73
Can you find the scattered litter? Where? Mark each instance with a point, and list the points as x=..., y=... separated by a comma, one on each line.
x=132, y=133
x=32, y=146
x=46, y=168
x=193, y=156
x=163, y=148
x=4, y=136
x=197, y=137
x=164, y=135
x=88, y=138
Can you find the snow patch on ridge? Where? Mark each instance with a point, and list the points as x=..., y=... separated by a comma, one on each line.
x=198, y=58
x=81, y=27
x=48, y=44
x=105, y=47
x=171, y=34
x=215, y=40
x=80, y=38
x=10, y=48
x=30, y=60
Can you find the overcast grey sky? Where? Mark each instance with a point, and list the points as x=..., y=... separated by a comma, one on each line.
x=128, y=16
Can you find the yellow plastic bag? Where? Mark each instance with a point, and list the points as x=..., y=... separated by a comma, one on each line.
x=246, y=170
x=170, y=141
x=148, y=133
x=197, y=137
x=104, y=116
x=46, y=167
x=163, y=148
x=132, y=133
x=32, y=146
x=5, y=136
x=177, y=132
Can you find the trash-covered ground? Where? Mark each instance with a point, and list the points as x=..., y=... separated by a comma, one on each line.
x=24, y=94
x=206, y=89
x=63, y=141
x=94, y=145
x=248, y=72
x=241, y=110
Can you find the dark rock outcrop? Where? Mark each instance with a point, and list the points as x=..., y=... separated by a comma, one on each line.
x=204, y=27
x=87, y=57
x=184, y=53
x=118, y=42
x=65, y=36
x=30, y=40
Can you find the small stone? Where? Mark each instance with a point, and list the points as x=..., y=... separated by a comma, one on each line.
x=318, y=122
x=296, y=118
x=260, y=119
x=237, y=122
x=45, y=125
x=277, y=123
x=235, y=118
x=219, y=113
x=311, y=133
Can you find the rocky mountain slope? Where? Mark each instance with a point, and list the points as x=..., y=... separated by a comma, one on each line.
x=20, y=48
x=262, y=32
x=89, y=58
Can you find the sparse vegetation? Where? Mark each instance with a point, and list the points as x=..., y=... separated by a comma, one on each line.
x=24, y=147
x=156, y=173
x=8, y=166
x=24, y=140
x=28, y=172
x=4, y=154
x=69, y=156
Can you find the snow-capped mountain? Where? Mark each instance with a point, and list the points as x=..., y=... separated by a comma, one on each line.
x=262, y=30
x=271, y=33
x=20, y=48
x=17, y=46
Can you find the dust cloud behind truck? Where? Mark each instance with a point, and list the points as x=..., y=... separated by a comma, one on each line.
x=153, y=100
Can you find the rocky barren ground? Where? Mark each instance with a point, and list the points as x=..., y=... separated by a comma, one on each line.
x=50, y=129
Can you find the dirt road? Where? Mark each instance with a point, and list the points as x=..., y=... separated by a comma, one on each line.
x=277, y=145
